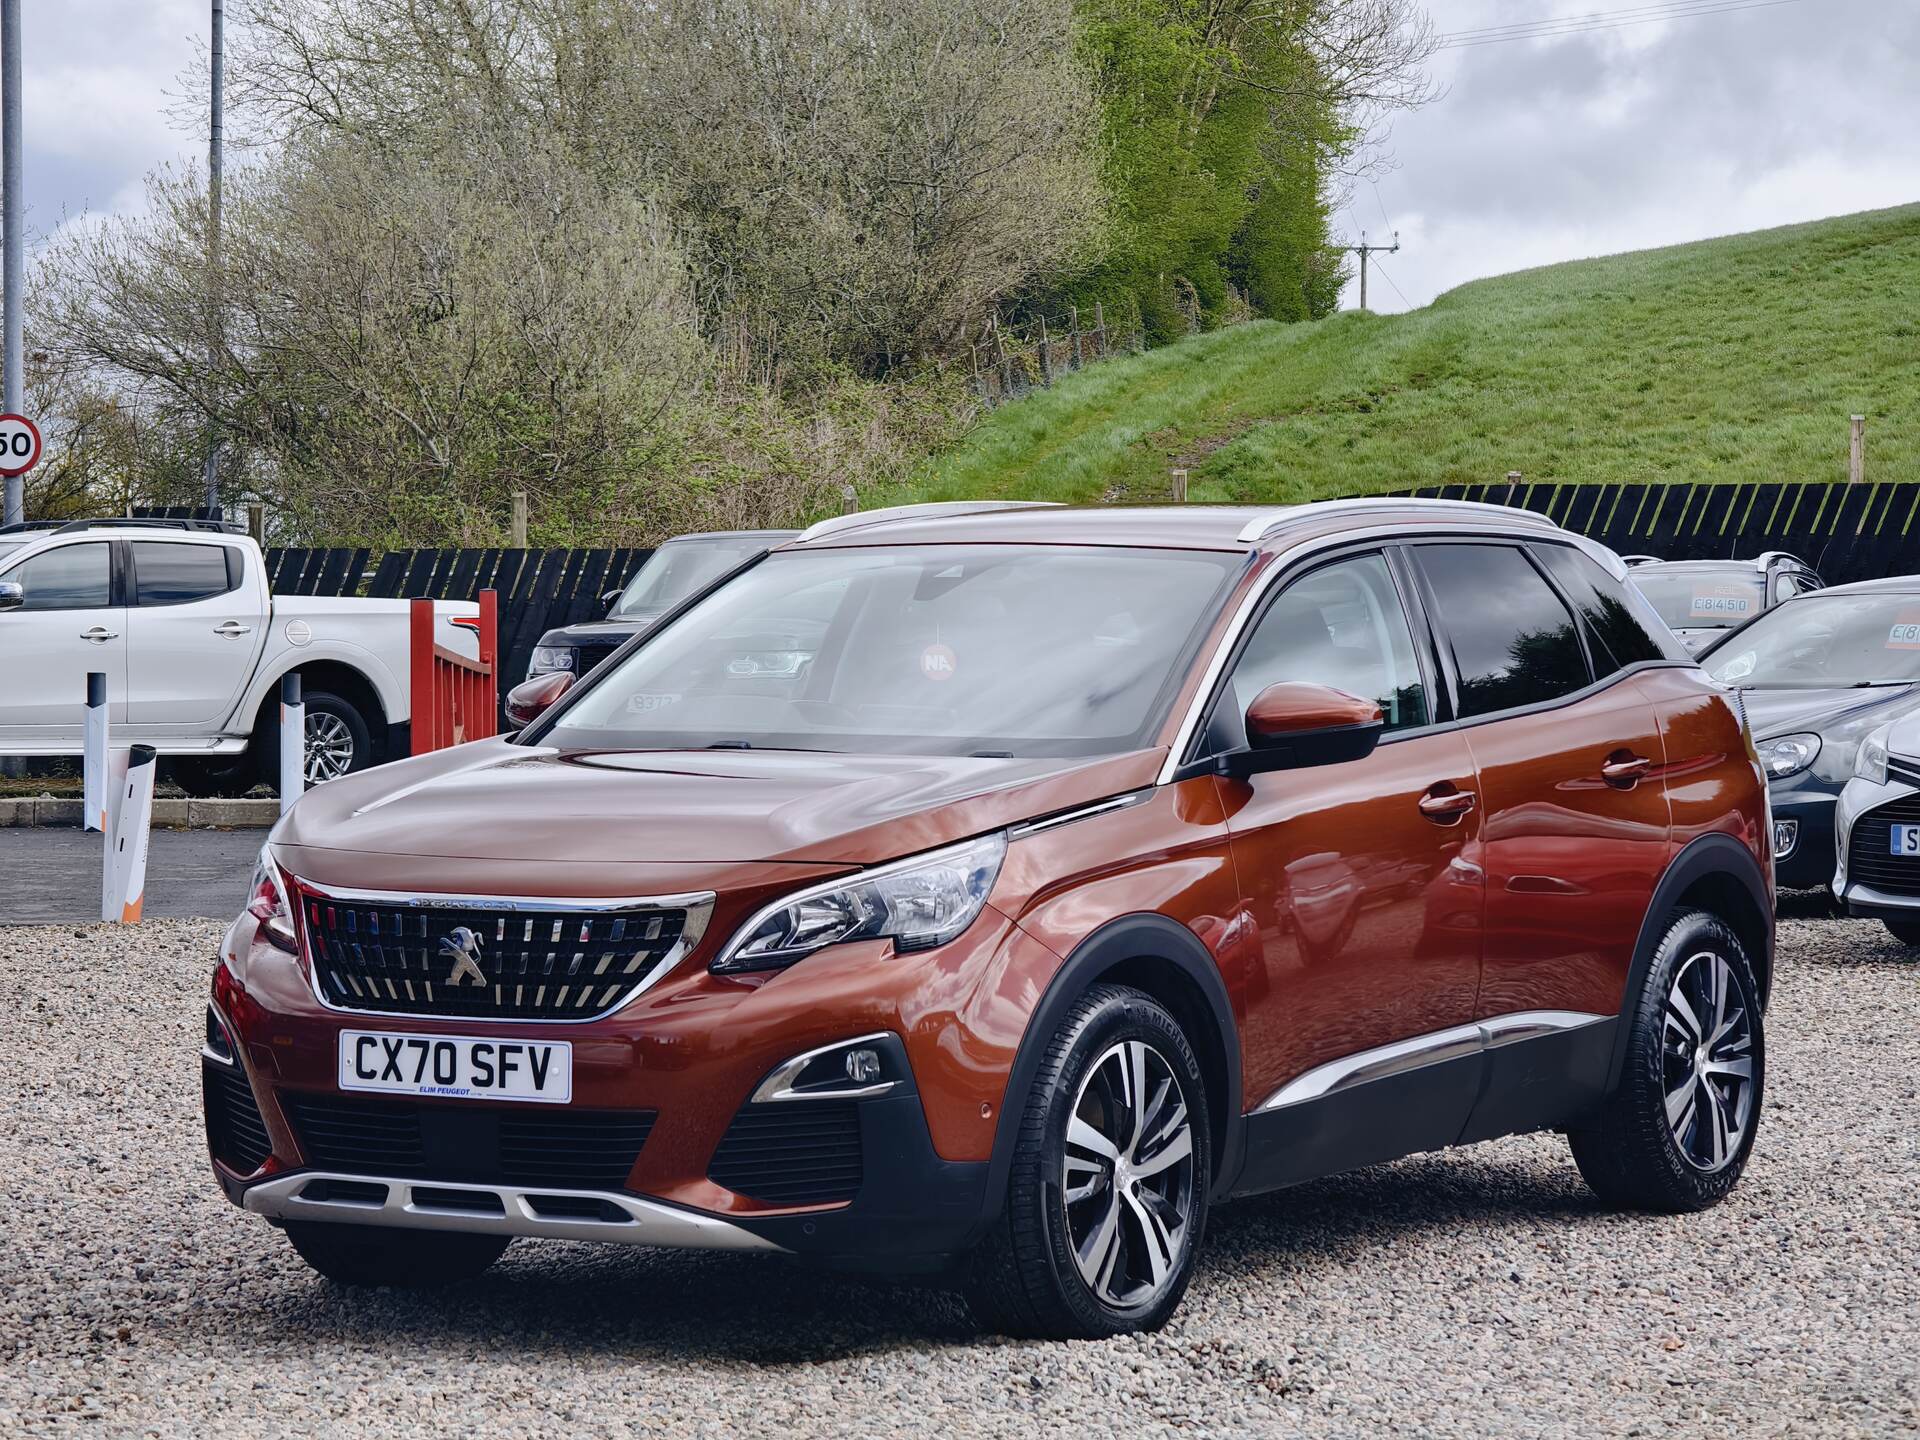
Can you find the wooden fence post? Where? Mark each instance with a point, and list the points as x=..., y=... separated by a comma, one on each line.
x=849, y=499
x=1513, y=484
x=1857, y=450
x=1078, y=361
x=1046, y=355
x=257, y=522
x=1100, y=329
x=1179, y=487
x=1006, y=363
x=519, y=519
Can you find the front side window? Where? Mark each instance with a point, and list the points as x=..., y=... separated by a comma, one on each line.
x=73, y=577
x=1514, y=642
x=1342, y=626
x=173, y=574
x=1825, y=641
x=991, y=650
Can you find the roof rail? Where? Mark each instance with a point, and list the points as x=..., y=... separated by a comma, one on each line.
x=21, y=526
x=1766, y=557
x=1262, y=526
x=115, y=522
x=930, y=509
x=1632, y=560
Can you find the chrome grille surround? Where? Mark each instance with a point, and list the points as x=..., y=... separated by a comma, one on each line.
x=569, y=961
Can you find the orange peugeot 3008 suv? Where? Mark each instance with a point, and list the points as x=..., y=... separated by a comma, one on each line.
x=987, y=891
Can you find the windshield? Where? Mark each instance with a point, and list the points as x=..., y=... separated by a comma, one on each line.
x=1702, y=599
x=954, y=650
x=1825, y=641
x=680, y=567
x=7, y=547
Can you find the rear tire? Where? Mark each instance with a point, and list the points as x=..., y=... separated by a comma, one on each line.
x=339, y=741
x=1907, y=932
x=405, y=1259
x=1100, y=1231
x=1675, y=1135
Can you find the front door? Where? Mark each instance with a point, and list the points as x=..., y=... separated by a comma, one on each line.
x=68, y=626
x=1362, y=880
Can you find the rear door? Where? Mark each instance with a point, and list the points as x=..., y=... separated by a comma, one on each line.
x=1571, y=765
x=196, y=620
x=72, y=622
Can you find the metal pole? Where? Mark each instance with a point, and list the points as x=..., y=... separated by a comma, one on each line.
x=13, y=183
x=217, y=53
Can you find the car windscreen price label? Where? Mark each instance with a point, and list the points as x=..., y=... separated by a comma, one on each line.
x=19, y=444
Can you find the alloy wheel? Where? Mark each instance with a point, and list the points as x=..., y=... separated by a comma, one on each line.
x=329, y=747
x=1707, y=1051
x=1127, y=1185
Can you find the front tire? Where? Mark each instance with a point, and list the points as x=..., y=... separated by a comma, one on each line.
x=405, y=1259
x=1107, y=1196
x=1675, y=1135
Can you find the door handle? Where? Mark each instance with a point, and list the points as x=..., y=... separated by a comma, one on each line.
x=232, y=629
x=99, y=635
x=1625, y=769
x=1448, y=806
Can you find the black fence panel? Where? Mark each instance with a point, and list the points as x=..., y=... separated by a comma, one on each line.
x=539, y=590
x=1848, y=532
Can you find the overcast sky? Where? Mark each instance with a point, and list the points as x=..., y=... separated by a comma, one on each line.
x=1537, y=151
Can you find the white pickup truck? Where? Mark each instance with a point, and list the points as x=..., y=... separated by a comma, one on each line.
x=179, y=617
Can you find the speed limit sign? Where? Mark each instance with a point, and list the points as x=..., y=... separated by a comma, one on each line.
x=19, y=444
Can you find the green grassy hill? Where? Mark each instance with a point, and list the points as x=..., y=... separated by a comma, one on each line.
x=1734, y=359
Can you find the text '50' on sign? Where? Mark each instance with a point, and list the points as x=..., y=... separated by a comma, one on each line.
x=19, y=444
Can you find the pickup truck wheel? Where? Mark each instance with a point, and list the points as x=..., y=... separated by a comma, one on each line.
x=222, y=777
x=338, y=741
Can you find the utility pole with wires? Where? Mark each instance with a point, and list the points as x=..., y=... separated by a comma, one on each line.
x=216, y=296
x=1363, y=250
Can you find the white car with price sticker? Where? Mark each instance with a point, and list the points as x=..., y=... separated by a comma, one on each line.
x=1877, y=871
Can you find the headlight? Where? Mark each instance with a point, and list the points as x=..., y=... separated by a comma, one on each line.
x=549, y=658
x=1871, y=762
x=1788, y=754
x=267, y=902
x=917, y=903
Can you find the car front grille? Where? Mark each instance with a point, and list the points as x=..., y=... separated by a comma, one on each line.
x=1869, y=849
x=236, y=1134
x=593, y=653
x=390, y=957
x=526, y=1145
x=792, y=1153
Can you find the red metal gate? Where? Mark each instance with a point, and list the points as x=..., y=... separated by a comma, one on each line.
x=454, y=699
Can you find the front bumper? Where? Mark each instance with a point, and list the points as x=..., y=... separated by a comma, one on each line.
x=1809, y=809
x=694, y=1056
x=1860, y=896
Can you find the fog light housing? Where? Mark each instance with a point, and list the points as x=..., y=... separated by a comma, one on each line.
x=863, y=1066
x=857, y=1069
x=1786, y=835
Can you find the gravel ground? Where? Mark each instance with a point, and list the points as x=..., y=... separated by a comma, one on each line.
x=1477, y=1293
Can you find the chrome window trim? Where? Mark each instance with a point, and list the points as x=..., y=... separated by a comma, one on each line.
x=649, y=1222
x=778, y=1088
x=1456, y=1042
x=1287, y=567
x=695, y=903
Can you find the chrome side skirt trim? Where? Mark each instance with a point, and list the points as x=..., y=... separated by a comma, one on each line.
x=1454, y=1043
x=647, y=1222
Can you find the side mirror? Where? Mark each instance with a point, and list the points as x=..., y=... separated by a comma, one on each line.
x=12, y=595
x=531, y=699
x=1291, y=726
x=611, y=598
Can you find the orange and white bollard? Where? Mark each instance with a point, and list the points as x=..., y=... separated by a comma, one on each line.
x=123, y=872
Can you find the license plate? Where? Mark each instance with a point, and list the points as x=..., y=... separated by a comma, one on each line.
x=467, y=1069
x=1906, y=839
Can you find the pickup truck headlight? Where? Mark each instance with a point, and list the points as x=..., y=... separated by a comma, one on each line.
x=267, y=902
x=549, y=658
x=1871, y=762
x=1786, y=755
x=917, y=903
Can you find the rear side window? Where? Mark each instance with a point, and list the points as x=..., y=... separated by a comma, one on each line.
x=1621, y=626
x=168, y=574
x=1514, y=641
x=73, y=577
